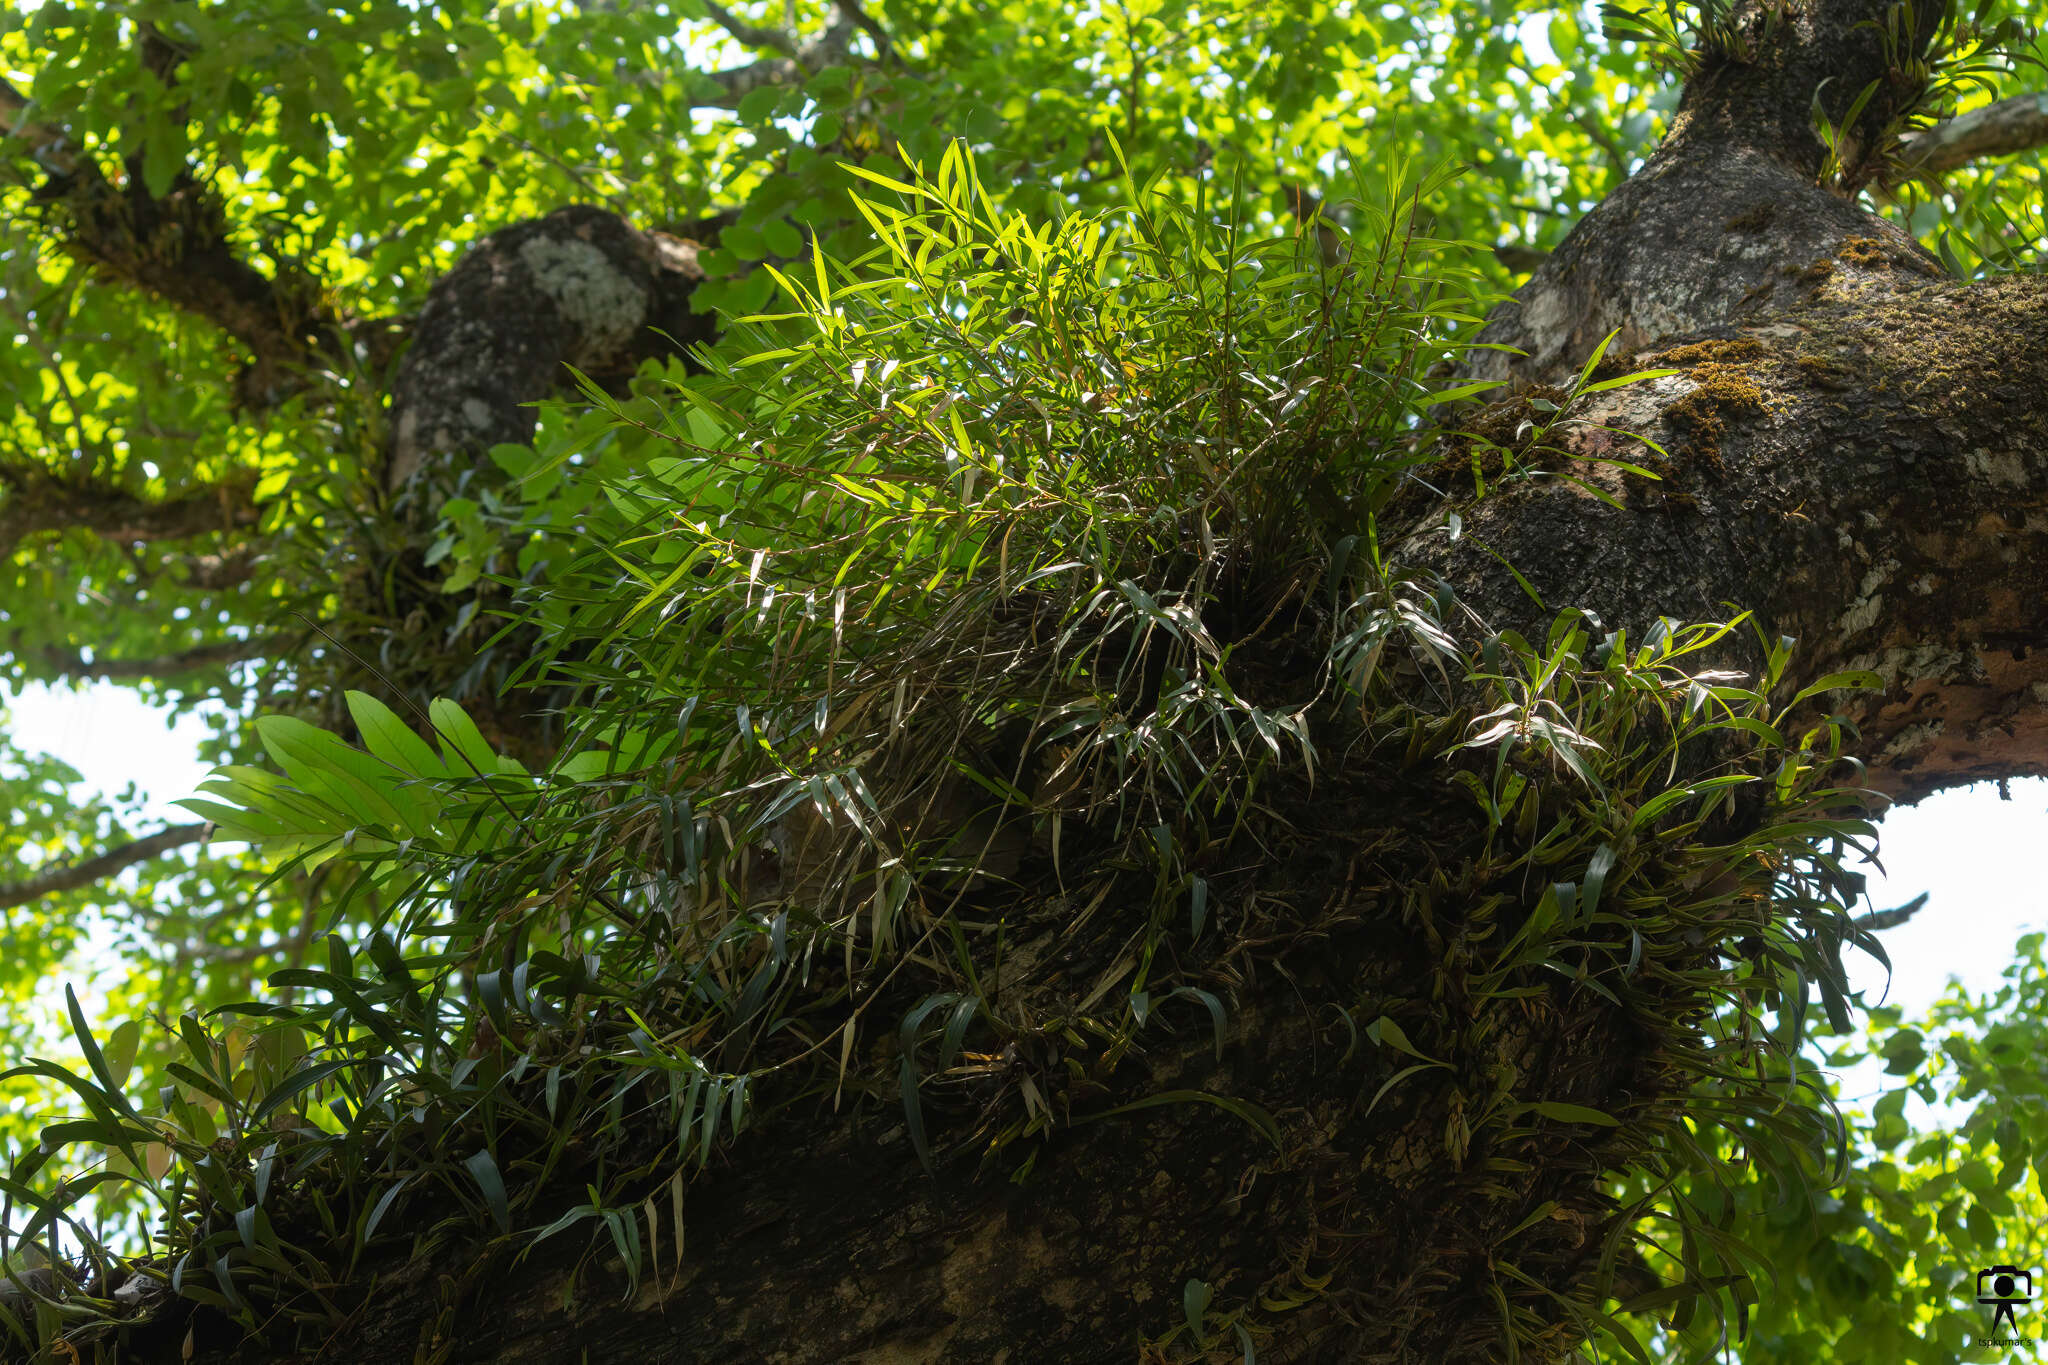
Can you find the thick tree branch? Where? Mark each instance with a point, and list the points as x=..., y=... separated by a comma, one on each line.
x=33, y=502
x=178, y=247
x=1865, y=468
x=1726, y=210
x=71, y=876
x=2016, y=124
x=579, y=287
x=1761, y=81
x=66, y=664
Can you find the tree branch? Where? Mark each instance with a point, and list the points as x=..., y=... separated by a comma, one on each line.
x=795, y=60
x=863, y=21
x=66, y=664
x=1877, y=921
x=2000, y=129
x=50, y=148
x=176, y=246
x=291, y=947
x=1522, y=258
x=736, y=83
x=37, y=502
x=205, y=572
x=751, y=34
x=74, y=875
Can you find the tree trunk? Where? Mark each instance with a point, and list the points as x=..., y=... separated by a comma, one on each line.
x=1856, y=449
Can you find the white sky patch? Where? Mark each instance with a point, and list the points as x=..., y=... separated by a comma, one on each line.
x=113, y=738
x=1980, y=860
x=1534, y=35
x=1978, y=857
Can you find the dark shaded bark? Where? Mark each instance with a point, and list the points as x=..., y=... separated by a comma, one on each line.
x=71, y=876
x=1375, y=1223
x=1859, y=451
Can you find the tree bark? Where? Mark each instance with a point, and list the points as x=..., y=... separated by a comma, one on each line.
x=1865, y=469
x=580, y=287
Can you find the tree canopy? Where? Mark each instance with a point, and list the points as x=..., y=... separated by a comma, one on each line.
x=882, y=580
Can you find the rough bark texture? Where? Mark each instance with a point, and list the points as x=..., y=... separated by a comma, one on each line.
x=1866, y=470
x=824, y=1240
x=1724, y=210
x=579, y=287
x=2009, y=125
x=1859, y=448
x=178, y=247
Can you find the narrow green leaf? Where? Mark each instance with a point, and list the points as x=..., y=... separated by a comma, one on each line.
x=483, y=1168
x=1574, y=1113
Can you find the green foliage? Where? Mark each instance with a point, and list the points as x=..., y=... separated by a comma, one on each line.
x=369, y=148
x=1018, y=536
x=1881, y=1264
x=1046, y=514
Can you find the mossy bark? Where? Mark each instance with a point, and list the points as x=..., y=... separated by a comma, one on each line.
x=1870, y=477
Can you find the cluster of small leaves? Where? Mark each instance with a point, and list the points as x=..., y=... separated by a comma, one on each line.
x=369, y=149
x=1927, y=1200
x=1706, y=940
x=1965, y=55
x=290, y=1129
x=968, y=554
x=1683, y=36
x=373, y=144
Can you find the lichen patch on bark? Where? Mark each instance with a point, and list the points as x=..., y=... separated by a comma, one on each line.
x=579, y=287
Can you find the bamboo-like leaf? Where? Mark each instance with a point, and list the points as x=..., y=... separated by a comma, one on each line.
x=483, y=1168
